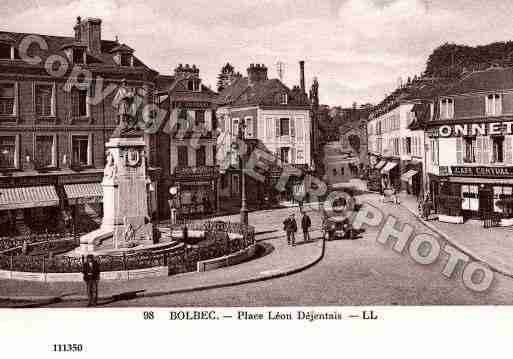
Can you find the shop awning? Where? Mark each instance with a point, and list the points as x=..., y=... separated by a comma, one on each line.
x=409, y=174
x=380, y=164
x=78, y=193
x=388, y=167
x=28, y=197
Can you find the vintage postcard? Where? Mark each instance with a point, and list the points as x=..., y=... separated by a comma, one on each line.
x=299, y=162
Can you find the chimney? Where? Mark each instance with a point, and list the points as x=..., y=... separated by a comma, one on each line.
x=257, y=73
x=76, y=28
x=91, y=33
x=302, y=75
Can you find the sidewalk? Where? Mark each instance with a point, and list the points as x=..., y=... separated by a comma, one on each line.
x=493, y=246
x=278, y=259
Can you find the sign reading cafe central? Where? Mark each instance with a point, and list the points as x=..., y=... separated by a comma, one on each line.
x=474, y=129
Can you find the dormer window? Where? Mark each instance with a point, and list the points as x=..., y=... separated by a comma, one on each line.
x=446, y=108
x=79, y=55
x=493, y=104
x=194, y=85
x=126, y=59
x=283, y=99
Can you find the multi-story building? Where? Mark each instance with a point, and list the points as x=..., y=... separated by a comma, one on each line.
x=470, y=157
x=54, y=121
x=187, y=143
x=274, y=116
x=396, y=152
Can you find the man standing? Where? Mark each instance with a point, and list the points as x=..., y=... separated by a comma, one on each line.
x=91, y=272
x=290, y=227
x=305, y=226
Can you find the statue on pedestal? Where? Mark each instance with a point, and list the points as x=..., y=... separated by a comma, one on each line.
x=127, y=103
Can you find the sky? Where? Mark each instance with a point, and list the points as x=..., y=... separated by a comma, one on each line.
x=358, y=49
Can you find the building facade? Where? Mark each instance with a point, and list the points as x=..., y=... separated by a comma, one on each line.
x=188, y=143
x=470, y=139
x=275, y=118
x=54, y=122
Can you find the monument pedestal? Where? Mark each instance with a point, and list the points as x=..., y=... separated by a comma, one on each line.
x=126, y=222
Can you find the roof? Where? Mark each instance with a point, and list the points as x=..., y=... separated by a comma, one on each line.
x=264, y=92
x=176, y=87
x=492, y=79
x=56, y=44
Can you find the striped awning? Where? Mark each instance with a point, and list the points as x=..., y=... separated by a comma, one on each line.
x=388, y=167
x=84, y=193
x=409, y=174
x=380, y=164
x=28, y=197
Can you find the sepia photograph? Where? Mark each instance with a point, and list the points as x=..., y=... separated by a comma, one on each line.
x=281, y=154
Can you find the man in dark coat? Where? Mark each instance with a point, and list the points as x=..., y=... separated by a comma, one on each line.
x=306, y=223
x=290, y=227
x=91, y=272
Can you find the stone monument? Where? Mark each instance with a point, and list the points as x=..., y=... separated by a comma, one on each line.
x=126, y=219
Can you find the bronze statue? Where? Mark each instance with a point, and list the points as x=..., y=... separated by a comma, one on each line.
x=127, y=103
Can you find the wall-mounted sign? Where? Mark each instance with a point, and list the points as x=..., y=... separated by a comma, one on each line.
x=473, y=129
x=495, y=172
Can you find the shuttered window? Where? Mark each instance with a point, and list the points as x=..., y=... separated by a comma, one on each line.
x=45, y=151
x=7, y=152
x=7, y=99
x=78, y=102
x=44, y=100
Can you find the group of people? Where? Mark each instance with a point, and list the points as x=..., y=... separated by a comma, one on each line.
x=290, y=228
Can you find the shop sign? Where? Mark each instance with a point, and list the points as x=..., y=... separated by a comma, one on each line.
x=194, y=104
x=473, y=129
x=495, y=172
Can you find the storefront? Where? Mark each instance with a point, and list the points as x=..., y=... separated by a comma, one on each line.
x=197, y=190
x=374, y=175
x=390, y=175
x=474, y=192
x=85, y=203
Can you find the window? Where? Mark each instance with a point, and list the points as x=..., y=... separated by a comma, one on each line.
x=45, y=151
x=341, y=171
x=5, y=51
x=197, y=85
x=183, y=160
x=283, y=98
x=498, y=149
x=126, y=60
x=44, y=97
x=446, y=108
x=284, y=154
x=408, y=145
x=434, y=152
x=493, y=105
x=505, y=195
x=7, y=99
x=334, y=172
x=8, y=152
x=78, y=55
x=78, y=102
x=249, y=127
x=469, y=150
x=81, y=150
x=235, y=127
x=284, y=127
x=214, y=155
x=190, y=85
x=199, y=118
x=201, y=159
x=470, y=195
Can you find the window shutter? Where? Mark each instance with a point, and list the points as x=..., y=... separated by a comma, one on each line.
x=292, y=155
x=277, y=127
x=191, y=116
x=508, y=150
x=293, y=127
x=208, y=120
x=459, y=150
x=479, y=154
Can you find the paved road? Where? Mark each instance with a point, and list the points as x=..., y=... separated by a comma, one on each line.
x=360, y=272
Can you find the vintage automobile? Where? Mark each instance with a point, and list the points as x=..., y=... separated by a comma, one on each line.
x=337, y=227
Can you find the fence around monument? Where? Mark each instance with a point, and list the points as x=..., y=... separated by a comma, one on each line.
x=178, y=259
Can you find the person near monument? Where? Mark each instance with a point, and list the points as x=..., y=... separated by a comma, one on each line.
x=290, y=227
x=306, y=223
x=91, y=273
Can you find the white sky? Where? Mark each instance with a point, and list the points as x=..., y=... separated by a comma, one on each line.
x=358, y=49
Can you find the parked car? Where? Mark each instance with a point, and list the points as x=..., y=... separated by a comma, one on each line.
x=338, y=227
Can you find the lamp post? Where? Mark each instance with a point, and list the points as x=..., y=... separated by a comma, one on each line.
x=243, y=207
x=173, y=191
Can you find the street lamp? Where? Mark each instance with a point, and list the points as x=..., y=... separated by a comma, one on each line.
x=243, y=207
x=173, y=191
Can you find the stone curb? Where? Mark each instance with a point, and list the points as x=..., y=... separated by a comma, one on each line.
x=458, y=246
x=41, y=300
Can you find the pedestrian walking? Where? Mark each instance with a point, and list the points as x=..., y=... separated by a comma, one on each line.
x=91, y=272
x=290, y=227
x=306, y=223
